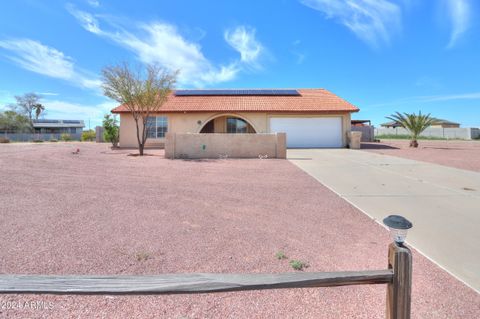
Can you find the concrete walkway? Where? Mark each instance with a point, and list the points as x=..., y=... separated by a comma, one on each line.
x=442, y=202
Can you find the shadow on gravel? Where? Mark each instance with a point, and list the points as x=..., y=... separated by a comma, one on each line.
x=199, y=160
x=377, y=146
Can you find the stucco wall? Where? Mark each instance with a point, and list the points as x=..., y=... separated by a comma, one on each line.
x=464, y=133
x=368, y=132
x=194, y=121
x=221, y=145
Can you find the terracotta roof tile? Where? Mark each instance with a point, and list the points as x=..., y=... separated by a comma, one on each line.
x=309, y=100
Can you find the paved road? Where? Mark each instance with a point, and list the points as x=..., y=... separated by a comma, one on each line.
x=442, y=202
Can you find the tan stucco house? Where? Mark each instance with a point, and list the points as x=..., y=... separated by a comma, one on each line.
x=310, y=117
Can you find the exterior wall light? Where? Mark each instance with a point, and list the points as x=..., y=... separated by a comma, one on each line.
x=398, y=227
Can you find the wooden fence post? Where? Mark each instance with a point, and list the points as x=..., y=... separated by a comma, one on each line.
x=399, y=290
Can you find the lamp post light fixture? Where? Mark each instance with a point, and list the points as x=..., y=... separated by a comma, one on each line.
x=398, y=226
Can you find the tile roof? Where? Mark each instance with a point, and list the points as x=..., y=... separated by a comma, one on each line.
x=309, y=100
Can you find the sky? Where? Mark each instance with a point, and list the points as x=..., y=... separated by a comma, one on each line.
x=381, y=55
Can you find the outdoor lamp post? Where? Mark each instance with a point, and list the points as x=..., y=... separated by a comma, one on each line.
x=398, y=226
x=400, y=261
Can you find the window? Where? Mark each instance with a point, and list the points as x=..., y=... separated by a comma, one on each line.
x=157, y=126
x=235, y=125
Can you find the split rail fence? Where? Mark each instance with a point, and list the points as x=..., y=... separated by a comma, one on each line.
x=397, y=277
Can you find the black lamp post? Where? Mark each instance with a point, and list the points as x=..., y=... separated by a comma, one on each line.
x=398, y=226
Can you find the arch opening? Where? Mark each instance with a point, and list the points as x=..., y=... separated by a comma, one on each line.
x=232, y=124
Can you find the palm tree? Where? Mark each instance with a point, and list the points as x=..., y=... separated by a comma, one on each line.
x=39, y=108
x=415, y=123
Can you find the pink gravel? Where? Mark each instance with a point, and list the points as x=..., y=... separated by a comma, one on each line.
x=93, y=213
x=459, y=154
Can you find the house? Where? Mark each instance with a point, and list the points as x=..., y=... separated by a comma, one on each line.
x=439, y=123
x=309, y=117
x=392, y=124
x=445, y=124
x=361, y=123
x=44, y=126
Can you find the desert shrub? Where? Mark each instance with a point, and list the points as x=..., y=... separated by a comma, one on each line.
x=280, y=255
x=88, y=136
x=298, y=264
x=4, y=140
x=66, y=137
x=112, y=131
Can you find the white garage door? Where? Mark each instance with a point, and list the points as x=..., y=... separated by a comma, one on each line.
x=309, y=132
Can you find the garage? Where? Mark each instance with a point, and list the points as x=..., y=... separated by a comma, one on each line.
x=309, y=132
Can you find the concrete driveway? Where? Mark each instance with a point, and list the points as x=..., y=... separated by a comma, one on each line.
x=442, y=202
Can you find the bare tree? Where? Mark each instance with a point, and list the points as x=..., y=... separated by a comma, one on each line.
x=142, y=92
x=26, y=104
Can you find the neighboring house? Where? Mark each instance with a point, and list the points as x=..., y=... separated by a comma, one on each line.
x=310, y=117
x=439, y=124
x=44, y=126
x=361, y=123
x=445, y=124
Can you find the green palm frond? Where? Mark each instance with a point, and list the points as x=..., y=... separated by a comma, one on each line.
x=414, y=123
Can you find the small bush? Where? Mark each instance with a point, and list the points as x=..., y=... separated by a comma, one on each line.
x=66, y=137
x=298, y=264
x=4, y=140
x=280, y=255
x=112, y=131
x=88, y=136
x=53, y=140
x=37, y=141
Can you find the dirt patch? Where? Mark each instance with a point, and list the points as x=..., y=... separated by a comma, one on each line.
x=94, y=213
x=459, y=154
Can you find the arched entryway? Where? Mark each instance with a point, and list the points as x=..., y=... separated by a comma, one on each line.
x=227, y=124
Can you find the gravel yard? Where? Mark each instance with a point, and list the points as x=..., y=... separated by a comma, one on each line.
x=459, y=154
x=104, y=212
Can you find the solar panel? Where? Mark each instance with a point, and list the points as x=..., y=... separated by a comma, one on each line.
x=41, y=121
x=238, y=92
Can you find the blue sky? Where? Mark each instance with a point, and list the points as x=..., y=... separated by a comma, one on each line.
x=381, y=55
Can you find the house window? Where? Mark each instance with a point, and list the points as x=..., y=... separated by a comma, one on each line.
x=236, y=125
x=157, y=126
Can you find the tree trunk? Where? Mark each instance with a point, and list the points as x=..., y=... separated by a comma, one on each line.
x=144, y=135
x=414, y=143
x=140, y=144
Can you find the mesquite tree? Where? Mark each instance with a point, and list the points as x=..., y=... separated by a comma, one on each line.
x=142, y=92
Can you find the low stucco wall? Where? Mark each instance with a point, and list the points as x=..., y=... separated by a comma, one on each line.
x=191, y=145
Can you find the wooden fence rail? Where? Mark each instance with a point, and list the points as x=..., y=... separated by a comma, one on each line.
x=185, y=283
x=398, y=278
